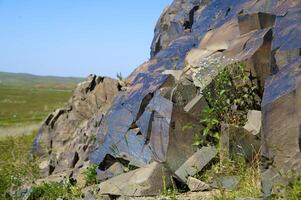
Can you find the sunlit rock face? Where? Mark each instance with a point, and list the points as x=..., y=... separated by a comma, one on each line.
x=140, y=120
x=67, y=136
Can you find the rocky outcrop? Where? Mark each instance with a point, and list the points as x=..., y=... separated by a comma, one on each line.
x=194, y=40
x=67, y=136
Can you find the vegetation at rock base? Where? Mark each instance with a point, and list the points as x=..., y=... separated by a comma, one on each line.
x=248, y=175
x=17, y=167
x=54, y=190
x=170, y=192
x=229, y=97
x=91, y=175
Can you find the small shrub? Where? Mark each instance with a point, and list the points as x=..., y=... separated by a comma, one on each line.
x=229, y=97
x=91, y=175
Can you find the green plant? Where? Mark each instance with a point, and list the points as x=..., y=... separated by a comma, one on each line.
x=91, y=175
x=292, y=191
x=119, y=76
x=54, y=190
x=229, y=97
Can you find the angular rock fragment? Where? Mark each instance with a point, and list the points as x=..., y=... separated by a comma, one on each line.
x=196, y=185
x=196, y=163
x=146, y=181
x=114, y=170
x=253, y=124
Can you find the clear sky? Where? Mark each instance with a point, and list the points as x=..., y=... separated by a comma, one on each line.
x=76, y=37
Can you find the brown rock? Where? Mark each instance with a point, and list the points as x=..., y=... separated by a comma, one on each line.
x=255, y=21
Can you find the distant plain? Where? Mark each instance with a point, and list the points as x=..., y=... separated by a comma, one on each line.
x=25, y=100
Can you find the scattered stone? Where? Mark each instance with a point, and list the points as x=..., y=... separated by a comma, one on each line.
x=196, y=163
x=229, y=183
x=196, y=185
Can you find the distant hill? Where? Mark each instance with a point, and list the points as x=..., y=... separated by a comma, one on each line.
x=34, y=81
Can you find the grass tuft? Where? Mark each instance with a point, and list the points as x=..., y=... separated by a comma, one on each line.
x=17, y=167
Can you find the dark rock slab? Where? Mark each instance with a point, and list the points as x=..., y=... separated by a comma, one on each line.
x=280, y=109
x=122, y=142
x=287, y=41
x=196, y=163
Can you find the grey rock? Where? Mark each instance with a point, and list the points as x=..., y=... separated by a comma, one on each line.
x=196, y=163
x=229, y=182
x=196, y=185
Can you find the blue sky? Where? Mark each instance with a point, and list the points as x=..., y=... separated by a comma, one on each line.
x=76, y=37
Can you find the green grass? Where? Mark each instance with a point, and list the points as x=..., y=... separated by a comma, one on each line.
x=53, y=191
x=91, y=175
x=25, y=105
x=16, y=165
x=247, y=173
